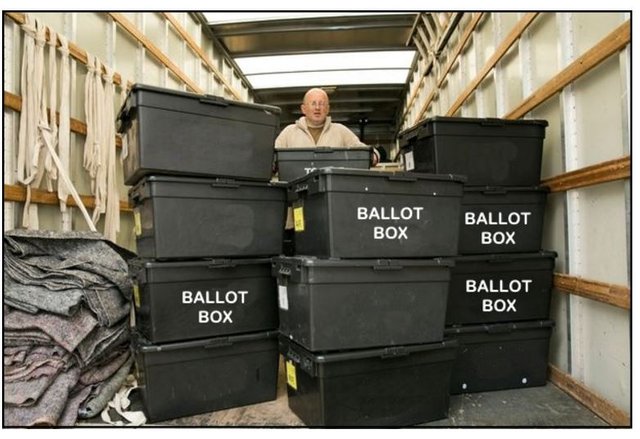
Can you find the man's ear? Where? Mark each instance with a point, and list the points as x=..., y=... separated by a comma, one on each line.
x=302, y=108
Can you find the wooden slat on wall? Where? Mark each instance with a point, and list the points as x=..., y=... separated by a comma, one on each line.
x=75, y=51
x=609, y=45
x=466, y=36
x=38, y=196
x=200, y=53
x=154, y=50
x=500, y=52
x=14, y=102
x=600, y=406
x=611, y=170
x=616, y=295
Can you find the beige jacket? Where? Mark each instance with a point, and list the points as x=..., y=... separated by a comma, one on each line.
x=333, y=135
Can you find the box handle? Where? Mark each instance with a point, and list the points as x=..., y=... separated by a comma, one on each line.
x=218, y=343
x=225, y=184
x=387, y=267
x=489, y=190
x=285, y=271
x=504, y=328
x=323, y=150
x=501, y=259
x=214, y=100
x=404, y=179
x=492, y=122
x=394, y=352
x=221, y=263
x=135, y=198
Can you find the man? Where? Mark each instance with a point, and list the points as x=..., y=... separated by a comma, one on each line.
x=315, y=127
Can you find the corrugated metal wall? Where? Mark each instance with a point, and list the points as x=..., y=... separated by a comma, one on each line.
x=513, y=58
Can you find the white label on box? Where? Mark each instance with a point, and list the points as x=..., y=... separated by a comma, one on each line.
x=282, y=297
x=409, y=164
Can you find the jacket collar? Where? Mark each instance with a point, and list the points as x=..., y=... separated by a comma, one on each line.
x=302, y=124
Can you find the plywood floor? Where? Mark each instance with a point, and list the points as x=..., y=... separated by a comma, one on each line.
x=546, y=406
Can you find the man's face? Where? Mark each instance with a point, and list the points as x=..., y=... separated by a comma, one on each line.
x=315, y=108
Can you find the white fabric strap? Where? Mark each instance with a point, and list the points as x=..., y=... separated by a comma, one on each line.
x=99, y=152
x=123, y=98
x=49, y=167
x=64, y=129
x=112, y=213
x=34, y=142
x=120, y=403
x=36, y=139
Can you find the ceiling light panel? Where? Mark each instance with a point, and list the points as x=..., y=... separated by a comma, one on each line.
x=341, y=77
x=391, y=59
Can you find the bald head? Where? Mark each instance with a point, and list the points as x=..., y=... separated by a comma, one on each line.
x=315, y=106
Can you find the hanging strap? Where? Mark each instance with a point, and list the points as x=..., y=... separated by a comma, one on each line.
x=64, y=130
x=99, y=151
x=123, y=98
x=112, y=213
x=35, y=132
x=120, y=403
x=34, y=145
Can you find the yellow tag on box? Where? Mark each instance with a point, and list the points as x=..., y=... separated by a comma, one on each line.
x=298, y=219
x=291, y=375
x=137, y=225
x=136, y=295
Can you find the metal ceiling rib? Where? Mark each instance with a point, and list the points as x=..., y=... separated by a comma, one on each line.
x=378, y=104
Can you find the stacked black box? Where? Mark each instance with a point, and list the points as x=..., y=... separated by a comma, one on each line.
x=207, y=222
x=498, y=303
x=362, y=304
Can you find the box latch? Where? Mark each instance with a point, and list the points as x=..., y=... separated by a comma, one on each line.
x=394, y=352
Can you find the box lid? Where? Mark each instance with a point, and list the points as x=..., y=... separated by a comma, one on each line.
x=323, y=149
x=165, y=91
x=151, y=271
x=197, y=187
x=499, y=190
x=394, y=176
x=506, y=257
x=145, y=346
x=312, y=261
x=384, y=352
x=472, y=126
x=499, y=328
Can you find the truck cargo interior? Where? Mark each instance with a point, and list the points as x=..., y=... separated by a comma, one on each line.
x=467, y=264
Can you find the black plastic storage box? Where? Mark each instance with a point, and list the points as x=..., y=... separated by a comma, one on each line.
x=181, y=218
x=500, y=356
x=192, y=377
x=328, y=305
x=399, y=386
x=297, y=162
x=502, y=220
x=179, y=133
x=494, y=152
x=349, y=213
x=500, y=288
x=178, y=301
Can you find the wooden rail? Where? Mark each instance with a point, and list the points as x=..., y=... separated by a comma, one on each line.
x=200, y=53
x=500, y=52
x=616, y=295
x=154, y=50
x=452, y=60
x=14, y=102
x=594, y=402
x=609, y=45
x=600, y=173
x=38, y=196
x=75, y=51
